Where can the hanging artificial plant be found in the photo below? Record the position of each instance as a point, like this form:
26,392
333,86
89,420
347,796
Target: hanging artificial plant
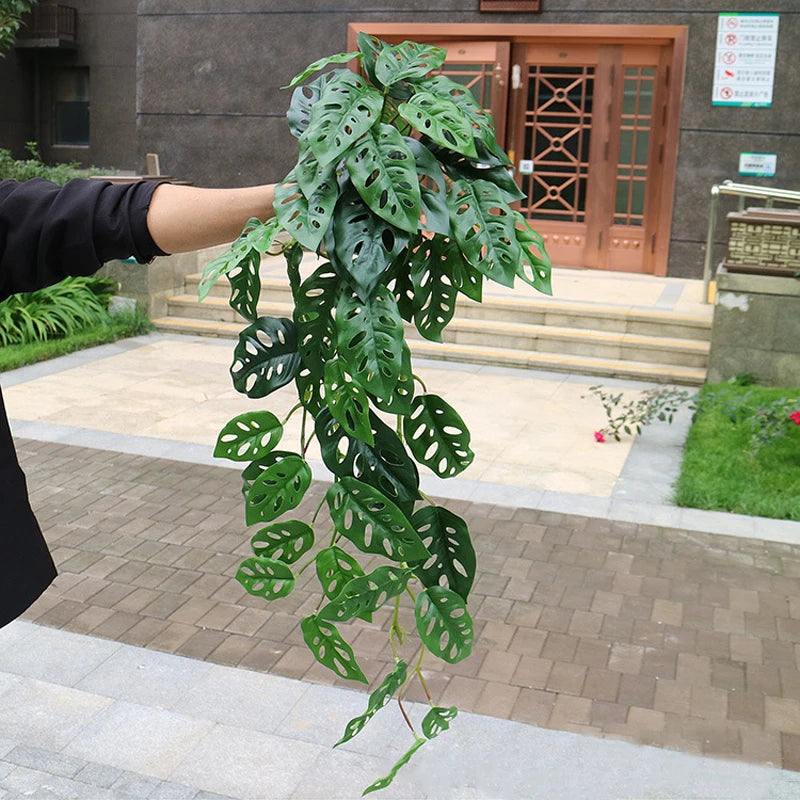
403,192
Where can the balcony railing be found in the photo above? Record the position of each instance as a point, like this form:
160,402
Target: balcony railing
49,25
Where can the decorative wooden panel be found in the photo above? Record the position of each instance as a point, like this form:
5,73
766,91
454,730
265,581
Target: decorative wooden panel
511,5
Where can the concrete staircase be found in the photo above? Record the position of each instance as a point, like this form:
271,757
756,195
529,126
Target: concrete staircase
529,332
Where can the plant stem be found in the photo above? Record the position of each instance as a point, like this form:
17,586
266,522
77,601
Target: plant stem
291,413
405,716
418,671
421,383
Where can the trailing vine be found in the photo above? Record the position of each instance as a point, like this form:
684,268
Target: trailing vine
403,192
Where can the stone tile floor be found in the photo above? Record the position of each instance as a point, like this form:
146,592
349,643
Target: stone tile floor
679,639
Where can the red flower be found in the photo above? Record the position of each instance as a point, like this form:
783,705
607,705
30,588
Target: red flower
598,435
795,417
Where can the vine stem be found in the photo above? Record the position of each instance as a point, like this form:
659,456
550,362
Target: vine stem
291,413
421,383
405,716
303,443
418,671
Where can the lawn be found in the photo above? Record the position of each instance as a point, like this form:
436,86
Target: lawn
13,356
718,472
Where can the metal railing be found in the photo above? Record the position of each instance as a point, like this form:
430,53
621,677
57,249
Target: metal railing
742,191
50,21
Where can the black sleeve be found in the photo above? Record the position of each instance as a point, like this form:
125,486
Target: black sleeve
48,232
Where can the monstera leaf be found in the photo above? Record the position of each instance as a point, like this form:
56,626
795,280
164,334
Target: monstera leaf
245,283
313,316
433,190
382,783
434,290
305,219
330,649
383,170
438,720
453,561
347,401
441,120
335,568
385,465
279,488
457,93
249,437
347,108
363,243
371,47
377,700
366,594
437,436
266,357
283,541
369,338
264,577
373,522
444,624
407,60
483,226
316,66
399,403
303,100
534,266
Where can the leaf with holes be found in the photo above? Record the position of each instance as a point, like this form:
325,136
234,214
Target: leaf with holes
265,577
253,470
384,465
347,108
468,279
461,96
266,357
407,60
383,170
316,66
283,541
335,568
444,624
534,266
370,47
433,190
246,286
377,700
369,337
330,649
438,720
366,594
400,401
464,169
437,436
441,120
313,317
277,489
303,100
310,175
305,219
372,522
360,243
347,401
452,562
249,436
382,783
483,227
434,291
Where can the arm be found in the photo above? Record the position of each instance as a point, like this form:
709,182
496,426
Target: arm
184,218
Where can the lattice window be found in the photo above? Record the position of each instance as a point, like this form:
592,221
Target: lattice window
558,123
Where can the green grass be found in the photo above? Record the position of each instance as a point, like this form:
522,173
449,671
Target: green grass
717,474
118,327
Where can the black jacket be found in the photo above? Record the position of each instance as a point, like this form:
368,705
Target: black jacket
48,232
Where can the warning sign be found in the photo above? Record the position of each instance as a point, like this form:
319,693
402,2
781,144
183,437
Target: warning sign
744,67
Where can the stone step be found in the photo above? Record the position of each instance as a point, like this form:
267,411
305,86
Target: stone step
482,354
503,335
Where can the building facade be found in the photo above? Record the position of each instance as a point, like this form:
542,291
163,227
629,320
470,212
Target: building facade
606,105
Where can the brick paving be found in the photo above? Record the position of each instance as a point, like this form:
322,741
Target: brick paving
667,637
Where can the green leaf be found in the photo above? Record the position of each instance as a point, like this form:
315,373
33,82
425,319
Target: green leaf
303,100
249,436
433,190
385,465
246,286
403,393
266,357
361,243
316,66
369,337
310,175
366,594
483,227
305,219
347,401
294,258
277,489
453,561
313,317
335,568
283,541
377,700
444,624
437,436
370,47
407,60
265,577
382,783
437,720
251,472
534,267
383,170
330,649
434,290
347,108
468,279
372,522
441,120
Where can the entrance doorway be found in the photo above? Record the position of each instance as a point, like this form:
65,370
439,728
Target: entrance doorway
589,116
